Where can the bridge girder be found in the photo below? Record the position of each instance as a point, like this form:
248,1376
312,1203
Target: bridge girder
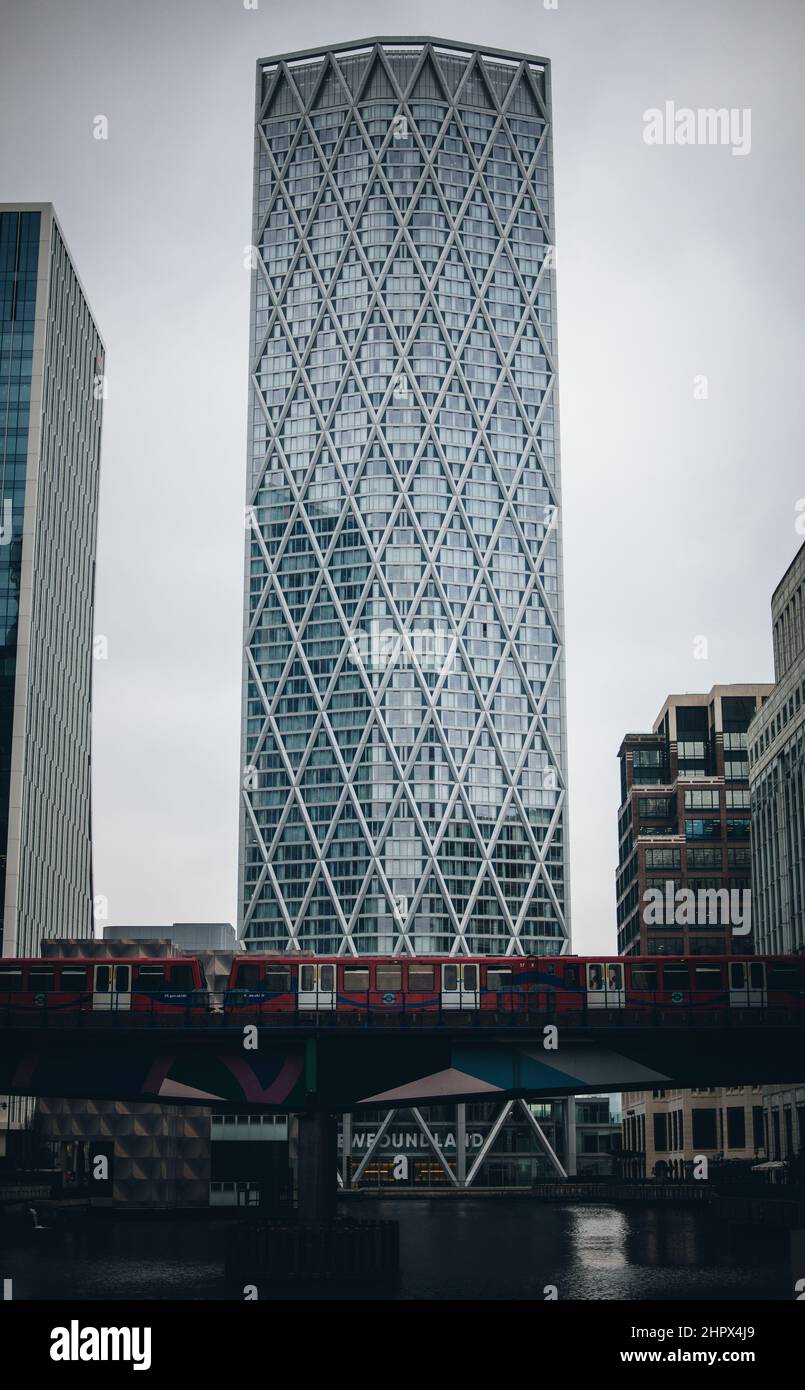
334,1070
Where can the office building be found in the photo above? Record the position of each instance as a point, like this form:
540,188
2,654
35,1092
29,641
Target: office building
475,1145
684,860
51,396
664,1132
683,888
404,761
777,779
777,787
598,1135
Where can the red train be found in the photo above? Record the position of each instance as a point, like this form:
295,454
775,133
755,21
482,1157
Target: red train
283,984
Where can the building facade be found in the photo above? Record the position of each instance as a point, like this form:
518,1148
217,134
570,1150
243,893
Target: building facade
51,395
599,1124
480,1145
665,1132
683,828
474,1145
777,786
404,782
683,852
777,778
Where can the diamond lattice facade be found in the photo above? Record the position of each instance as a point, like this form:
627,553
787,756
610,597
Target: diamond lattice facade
404,782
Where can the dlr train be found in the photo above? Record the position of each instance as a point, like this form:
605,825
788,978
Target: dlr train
280,985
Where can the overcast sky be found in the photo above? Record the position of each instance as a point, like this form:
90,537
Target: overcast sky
673,262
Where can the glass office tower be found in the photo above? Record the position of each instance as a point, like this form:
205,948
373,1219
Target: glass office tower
51,373
404,784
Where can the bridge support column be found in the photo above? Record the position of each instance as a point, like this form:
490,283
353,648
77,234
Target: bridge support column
316,1166
461,1145
570,1136
346,1150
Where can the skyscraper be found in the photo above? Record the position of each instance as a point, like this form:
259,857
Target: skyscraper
51,375
404,785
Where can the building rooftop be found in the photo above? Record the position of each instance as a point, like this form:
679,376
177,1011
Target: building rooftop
402,42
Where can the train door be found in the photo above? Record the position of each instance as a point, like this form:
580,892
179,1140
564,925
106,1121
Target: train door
459,986
111,987
605,985
748,984
316,987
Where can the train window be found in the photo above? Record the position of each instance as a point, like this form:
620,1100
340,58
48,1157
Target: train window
307,978
498,979
785,977
10,981
327,978
614,976
150,977
103,979
469,977
757,975
182,976
571,976
248,977
73,977
388,976
676,977
420,977
41,978
644,977
736,974
278,979
707,977
355,978
450,977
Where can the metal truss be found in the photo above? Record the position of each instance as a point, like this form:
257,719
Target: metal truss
464,1176
504,738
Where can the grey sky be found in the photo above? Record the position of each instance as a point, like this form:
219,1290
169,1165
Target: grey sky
672,261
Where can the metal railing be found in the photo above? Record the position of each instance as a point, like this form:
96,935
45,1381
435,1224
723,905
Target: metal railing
498,1010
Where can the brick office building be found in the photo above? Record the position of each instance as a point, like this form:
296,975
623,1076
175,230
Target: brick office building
683,822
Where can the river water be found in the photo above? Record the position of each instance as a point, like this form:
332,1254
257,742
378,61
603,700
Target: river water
464,1248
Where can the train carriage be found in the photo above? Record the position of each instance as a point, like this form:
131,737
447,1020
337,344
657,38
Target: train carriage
350,988
559,986
102,985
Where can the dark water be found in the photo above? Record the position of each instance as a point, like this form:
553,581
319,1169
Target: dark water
483,1248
